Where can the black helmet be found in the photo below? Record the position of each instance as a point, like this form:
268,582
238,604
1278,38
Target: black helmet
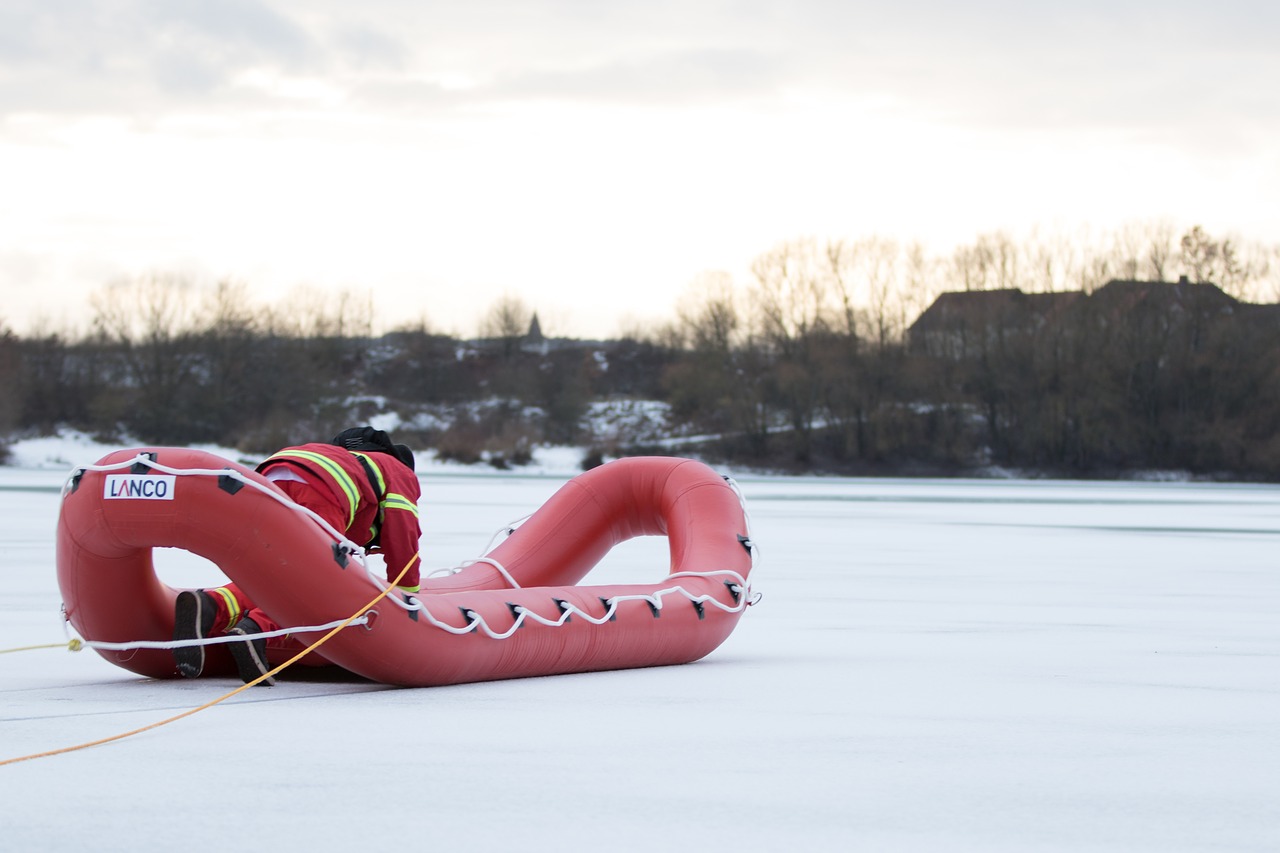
404,454
370,440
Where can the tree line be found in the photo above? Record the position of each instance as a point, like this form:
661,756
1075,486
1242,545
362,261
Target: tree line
826,360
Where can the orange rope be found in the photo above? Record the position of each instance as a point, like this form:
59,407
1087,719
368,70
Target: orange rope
239,689
72,645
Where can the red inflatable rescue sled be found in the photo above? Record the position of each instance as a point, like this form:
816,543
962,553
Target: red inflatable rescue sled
516,612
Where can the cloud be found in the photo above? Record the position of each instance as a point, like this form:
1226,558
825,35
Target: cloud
365,47
140,57
1172,73
669,77
1170,66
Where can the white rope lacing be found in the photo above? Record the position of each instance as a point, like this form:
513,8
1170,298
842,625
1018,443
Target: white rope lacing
735,583
740,589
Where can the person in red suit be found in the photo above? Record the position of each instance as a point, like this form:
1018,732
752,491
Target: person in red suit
363,485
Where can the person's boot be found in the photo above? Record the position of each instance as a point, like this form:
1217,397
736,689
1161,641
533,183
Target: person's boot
193,615
251,655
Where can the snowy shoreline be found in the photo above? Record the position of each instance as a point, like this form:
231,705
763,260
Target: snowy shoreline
70,449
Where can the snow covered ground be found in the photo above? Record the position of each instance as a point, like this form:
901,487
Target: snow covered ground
934,666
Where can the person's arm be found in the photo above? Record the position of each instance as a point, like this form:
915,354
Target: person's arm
399,539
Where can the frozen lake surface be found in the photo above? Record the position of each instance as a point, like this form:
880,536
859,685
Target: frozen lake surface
934,666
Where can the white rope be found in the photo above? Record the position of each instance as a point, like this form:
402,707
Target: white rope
505,531
210,641
476,622
467,563
752,548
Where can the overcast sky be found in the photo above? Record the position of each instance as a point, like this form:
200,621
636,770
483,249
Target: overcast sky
593,158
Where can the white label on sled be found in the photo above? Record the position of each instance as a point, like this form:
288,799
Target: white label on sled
147,487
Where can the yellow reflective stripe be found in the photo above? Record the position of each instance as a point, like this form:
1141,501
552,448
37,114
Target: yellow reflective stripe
395,501
415,588
332,468
233,606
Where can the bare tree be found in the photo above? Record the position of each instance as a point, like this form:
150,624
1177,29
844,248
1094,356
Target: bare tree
1245,269
1097,270
992,262
717,384
840,259
507,317
310,312
967,269
1005,259
803,297
879,261
150,323
1052,263
154,308
507,320
707,314
1129,247
1200,255
1269,275
792,293
1160,249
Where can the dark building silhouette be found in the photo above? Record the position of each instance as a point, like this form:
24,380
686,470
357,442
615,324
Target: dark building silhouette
964,324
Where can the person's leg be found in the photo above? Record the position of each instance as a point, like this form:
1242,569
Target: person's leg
251,655
213,612
233,606
194,613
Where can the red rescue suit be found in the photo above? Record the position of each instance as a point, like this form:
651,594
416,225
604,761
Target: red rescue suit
369,497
